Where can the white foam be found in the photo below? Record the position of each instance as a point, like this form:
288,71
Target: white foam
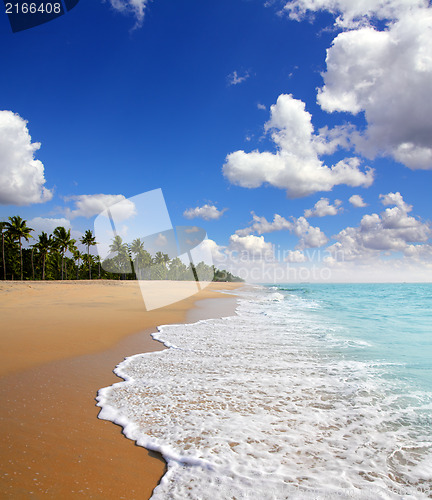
259,406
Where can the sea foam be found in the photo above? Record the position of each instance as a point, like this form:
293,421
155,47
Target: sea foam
267,404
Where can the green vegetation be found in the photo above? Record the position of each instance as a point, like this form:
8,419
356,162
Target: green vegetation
56,256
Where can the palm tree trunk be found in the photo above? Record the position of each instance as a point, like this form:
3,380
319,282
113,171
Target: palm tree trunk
62,265
43,267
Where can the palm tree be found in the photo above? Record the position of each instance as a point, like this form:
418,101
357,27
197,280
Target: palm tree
63,242
3,226
17,228
12,248
161,258
77,255
137,246
98,260
117,244
44,245
177,270
122,260
89,240
142,259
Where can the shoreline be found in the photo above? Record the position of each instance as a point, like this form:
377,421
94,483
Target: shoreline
53,444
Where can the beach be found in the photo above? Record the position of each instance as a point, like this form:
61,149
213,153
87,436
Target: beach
59,344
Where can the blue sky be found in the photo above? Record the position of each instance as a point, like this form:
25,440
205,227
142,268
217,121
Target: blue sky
242,105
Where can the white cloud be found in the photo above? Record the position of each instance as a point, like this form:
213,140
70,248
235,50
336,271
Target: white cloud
387,75
217,251
395,199
322,208
47,224
419,252
21,176
329,140
206,212
234,78
309,236
357,201
88,205
391,231
352,13
261,225
261,106
135,7
255,247
295,166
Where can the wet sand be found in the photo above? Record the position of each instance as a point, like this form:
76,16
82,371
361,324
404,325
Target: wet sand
58,345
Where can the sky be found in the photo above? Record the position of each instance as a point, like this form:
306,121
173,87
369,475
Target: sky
298,133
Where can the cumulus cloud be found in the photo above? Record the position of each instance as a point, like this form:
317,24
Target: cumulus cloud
88,205
380,66
352,13
323,207
131,7
261,225
217,251
255,247
309,236
22,177
234,78
391,231
395,199
295,166
47,224
206,212
357,201
261,106
419,252
387,75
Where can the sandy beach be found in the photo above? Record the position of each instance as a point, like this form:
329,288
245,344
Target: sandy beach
59,343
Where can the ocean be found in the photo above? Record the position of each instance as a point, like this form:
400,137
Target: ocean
310,391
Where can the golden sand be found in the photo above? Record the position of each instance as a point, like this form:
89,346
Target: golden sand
59,342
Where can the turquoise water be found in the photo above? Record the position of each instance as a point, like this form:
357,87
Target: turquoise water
308,392
393,320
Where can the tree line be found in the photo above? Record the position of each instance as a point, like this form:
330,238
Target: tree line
56,257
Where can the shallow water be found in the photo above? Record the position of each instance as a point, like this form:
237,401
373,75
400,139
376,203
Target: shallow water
311,391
